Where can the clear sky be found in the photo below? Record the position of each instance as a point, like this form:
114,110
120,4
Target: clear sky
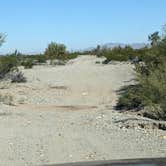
31,24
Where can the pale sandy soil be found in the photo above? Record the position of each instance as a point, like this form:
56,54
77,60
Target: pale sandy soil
65,114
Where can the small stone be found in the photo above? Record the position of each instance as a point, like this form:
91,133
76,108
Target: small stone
70,155
84,93
11,143
28,122
99,117
42,155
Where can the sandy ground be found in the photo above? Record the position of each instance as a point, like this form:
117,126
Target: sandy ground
66,114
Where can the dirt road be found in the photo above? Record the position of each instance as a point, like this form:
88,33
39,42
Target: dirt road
65,114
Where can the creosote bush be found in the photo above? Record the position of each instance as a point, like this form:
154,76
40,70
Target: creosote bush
28,64
59,52
7,64
130,98
56,51
150,90
119,53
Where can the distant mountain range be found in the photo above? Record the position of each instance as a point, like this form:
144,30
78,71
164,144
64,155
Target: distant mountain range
133,45
112,45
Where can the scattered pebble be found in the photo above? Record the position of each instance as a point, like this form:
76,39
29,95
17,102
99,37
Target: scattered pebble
84,93
70,155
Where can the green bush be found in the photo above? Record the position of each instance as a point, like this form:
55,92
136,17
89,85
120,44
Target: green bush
56,51
7,64
130,98
115,57
150,92
28,64
36,59
41,58
116,54
154,91
71,56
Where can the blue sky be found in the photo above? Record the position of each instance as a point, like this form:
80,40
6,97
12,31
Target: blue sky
30,25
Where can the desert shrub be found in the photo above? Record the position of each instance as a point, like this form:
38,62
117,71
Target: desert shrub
115,57
18,77
71,56
36,59
154,90
130,98
56,51
116,54
98,62
150,92
120,54
7,64
40,58
28,64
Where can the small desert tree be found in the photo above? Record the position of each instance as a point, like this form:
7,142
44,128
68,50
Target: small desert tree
55,51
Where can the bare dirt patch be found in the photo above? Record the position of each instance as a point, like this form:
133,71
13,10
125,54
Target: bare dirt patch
56,107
